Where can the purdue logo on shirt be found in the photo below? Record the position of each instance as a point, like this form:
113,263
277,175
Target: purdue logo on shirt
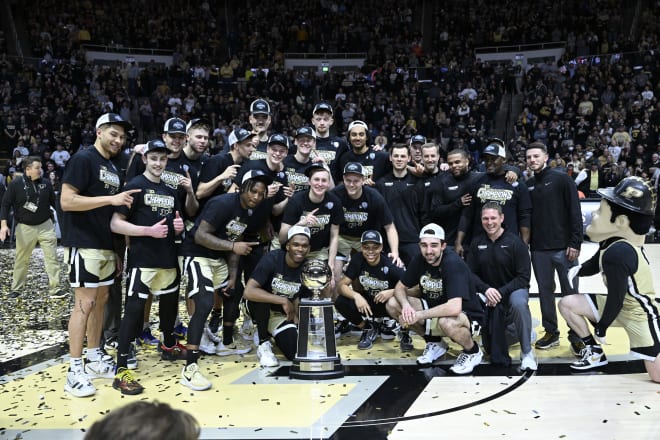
431,287
110,179
282,287
327,155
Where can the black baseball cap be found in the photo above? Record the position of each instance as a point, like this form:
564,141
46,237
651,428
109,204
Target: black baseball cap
257,175
239,134
305,131
260,106
156,145
279,139
314,167
323,107
114,119
175,125
417,139
354,167
371,236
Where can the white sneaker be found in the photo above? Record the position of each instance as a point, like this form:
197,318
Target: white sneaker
247,330
528,361
206,345
211,336
266,356
194,379
78,384
237,347
466,362
102,368
432,352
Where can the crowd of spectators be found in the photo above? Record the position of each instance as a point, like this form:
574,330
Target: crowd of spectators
49,108
597,114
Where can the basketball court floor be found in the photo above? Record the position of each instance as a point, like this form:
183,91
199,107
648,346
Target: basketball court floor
383,394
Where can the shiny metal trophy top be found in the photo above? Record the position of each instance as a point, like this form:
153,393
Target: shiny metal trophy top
316,355
316,276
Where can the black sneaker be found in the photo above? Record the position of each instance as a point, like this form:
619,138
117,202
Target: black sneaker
592,356
368,337
576,344
111,343
342,327
406,342
548,341
388,329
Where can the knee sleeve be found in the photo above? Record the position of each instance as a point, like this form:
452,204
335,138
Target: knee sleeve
348,310
203,305
260,313
287,341
131,325
168,306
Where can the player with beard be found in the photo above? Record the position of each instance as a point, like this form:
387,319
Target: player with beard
494,186
449,195
90,190
376,163
436,298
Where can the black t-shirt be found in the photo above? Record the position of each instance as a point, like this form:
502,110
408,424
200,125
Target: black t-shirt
277,176
451,279
373,279
375,163
92,175
229,218
259,153
212,168
330,149
155,202
329,213
295,173
402,198
275,276
369,211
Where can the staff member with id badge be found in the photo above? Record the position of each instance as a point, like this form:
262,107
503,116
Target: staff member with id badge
31,197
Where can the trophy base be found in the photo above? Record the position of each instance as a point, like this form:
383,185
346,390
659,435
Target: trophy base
315,369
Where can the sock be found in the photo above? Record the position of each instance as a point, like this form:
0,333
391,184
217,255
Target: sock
168,339
473,350
192,357
227,334
122,360
94,354
589,340
76,365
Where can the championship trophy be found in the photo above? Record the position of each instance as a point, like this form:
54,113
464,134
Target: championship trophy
316,357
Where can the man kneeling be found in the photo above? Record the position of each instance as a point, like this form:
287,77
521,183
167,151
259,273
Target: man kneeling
436,297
